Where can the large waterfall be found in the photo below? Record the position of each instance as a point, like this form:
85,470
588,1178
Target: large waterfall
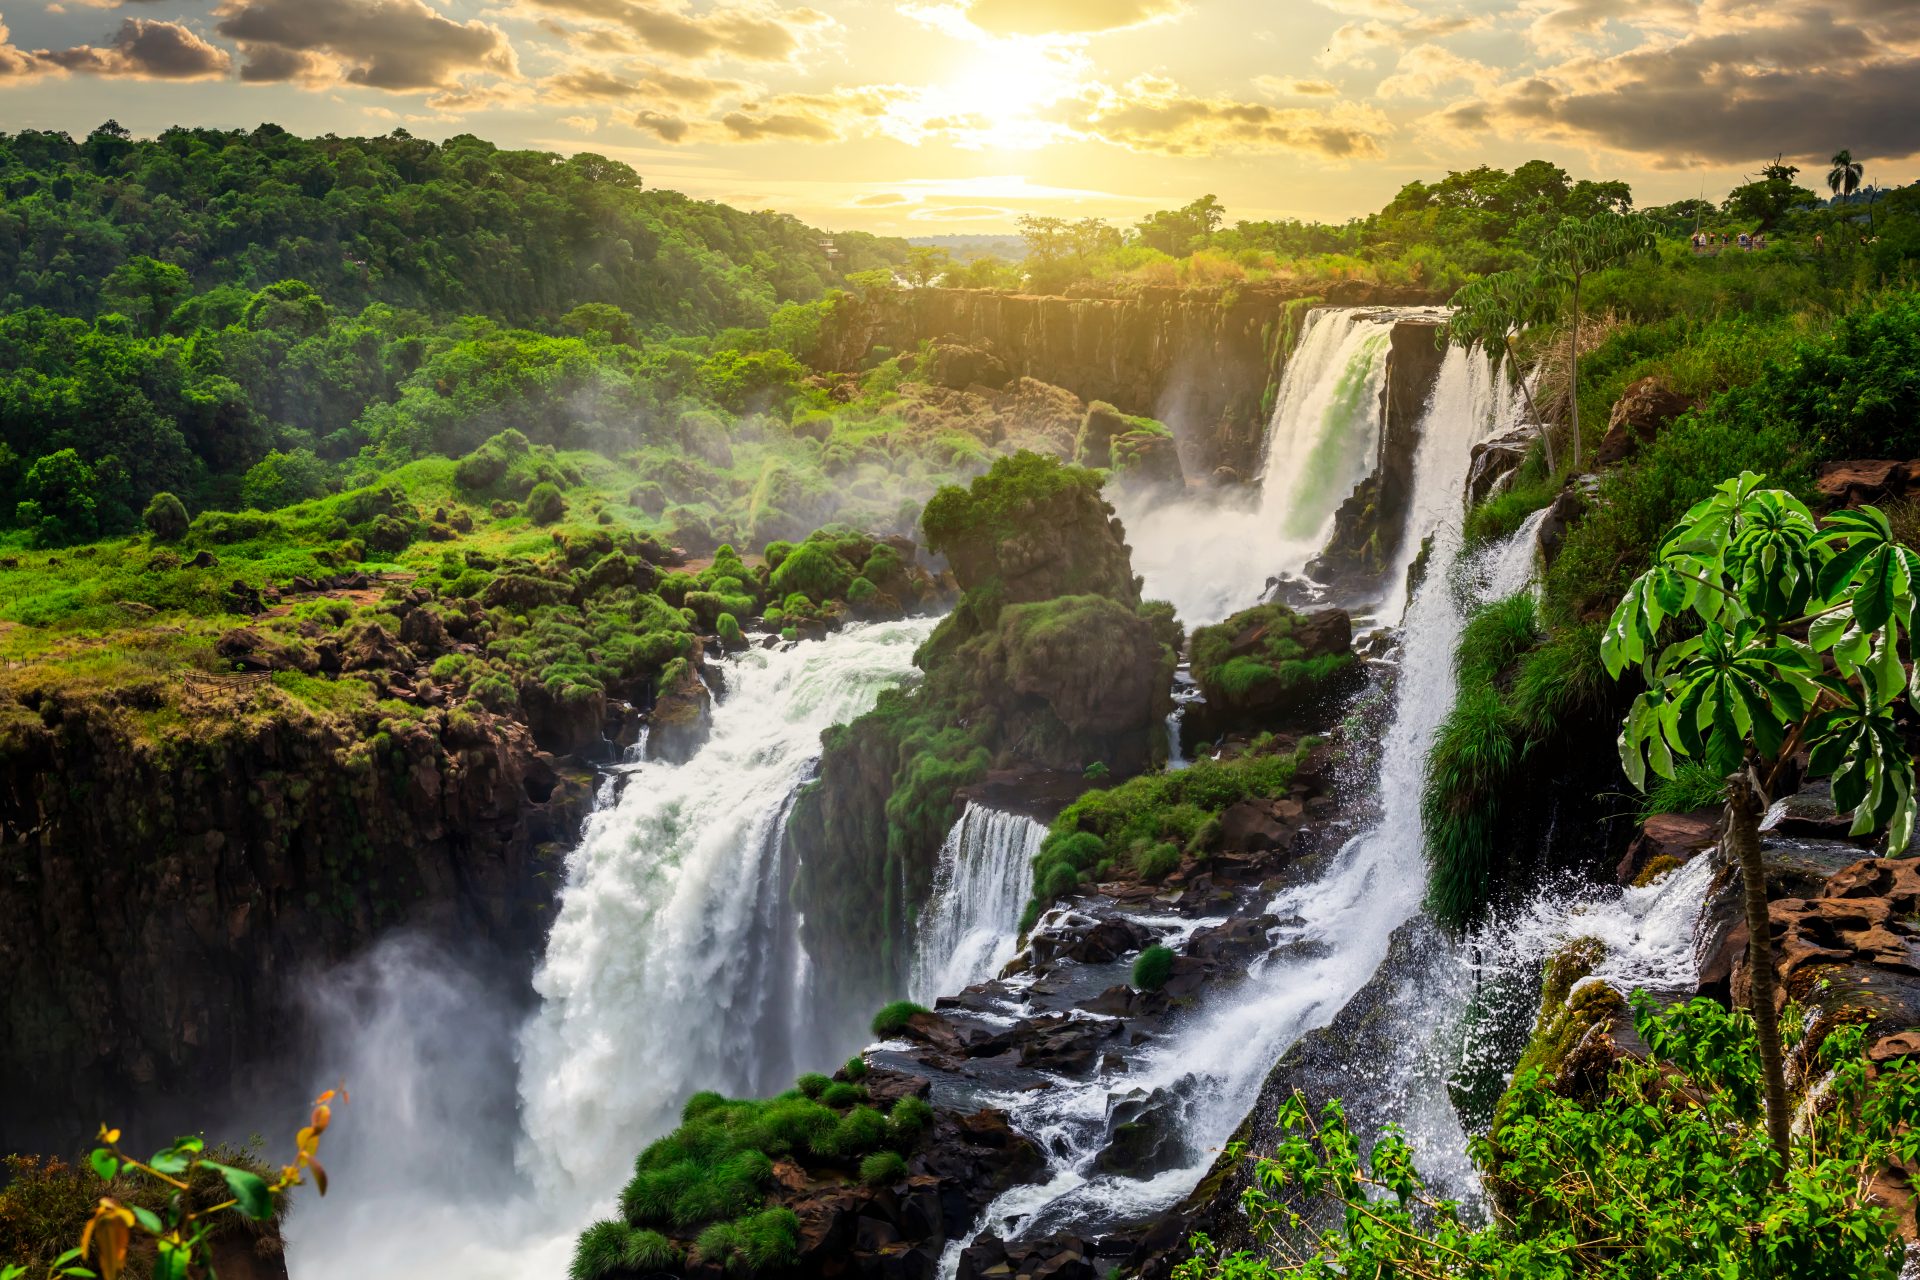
1337,929
971,925
674,965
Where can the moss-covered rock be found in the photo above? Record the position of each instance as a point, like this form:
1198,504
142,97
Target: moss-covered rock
1266,663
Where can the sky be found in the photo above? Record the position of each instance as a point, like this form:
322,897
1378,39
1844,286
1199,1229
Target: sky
941,116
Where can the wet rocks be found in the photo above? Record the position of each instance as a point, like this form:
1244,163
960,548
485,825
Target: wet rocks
1143,1134
1665,841
1061,1257
1494,461
1266,664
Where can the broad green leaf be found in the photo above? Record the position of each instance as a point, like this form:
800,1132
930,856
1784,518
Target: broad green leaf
254,1200
105,1164
1873,601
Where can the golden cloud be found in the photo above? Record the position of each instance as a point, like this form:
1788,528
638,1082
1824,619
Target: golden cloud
397,45
1067,17
1150,114
743,33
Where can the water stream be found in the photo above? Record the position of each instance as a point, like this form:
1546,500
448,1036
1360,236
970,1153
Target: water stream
971,925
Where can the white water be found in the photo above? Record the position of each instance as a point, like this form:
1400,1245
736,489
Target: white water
971,925
1219,1059
673,964
1210,555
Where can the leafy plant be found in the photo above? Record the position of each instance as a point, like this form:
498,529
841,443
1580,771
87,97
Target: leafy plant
179,1230
1750,567
892,1019
1667,1175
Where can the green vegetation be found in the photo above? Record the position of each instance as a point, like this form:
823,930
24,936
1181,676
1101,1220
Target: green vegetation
1666,1172
892,1019
1255,661
702,1190
1152,967
1738,692
1147,822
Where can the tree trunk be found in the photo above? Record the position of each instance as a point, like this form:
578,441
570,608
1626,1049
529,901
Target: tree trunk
1743,842
1546,428
1573,374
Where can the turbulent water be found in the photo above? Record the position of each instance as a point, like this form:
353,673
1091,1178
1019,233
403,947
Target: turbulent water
1211,555
1218,1059
971,925
674,965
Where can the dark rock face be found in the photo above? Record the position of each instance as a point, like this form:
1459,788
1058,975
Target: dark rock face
1495,460
1848,484
1143,1134
1202,363
1668,839
1369,525
162,903
1642,412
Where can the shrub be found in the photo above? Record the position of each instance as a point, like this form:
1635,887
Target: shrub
843,1095
1692,786
1156,861
883,1169
1152,968
651,1251
601,1251
813,570
813,1084
892,1019
908,1119
856,1068
729,631
859,591
166,517
545,504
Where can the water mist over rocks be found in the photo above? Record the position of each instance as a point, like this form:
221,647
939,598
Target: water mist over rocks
971,925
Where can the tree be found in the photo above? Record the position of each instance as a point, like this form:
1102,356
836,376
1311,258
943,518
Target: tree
603,319
1574,250
1046,237
1843,179
926,263
60,506
146,290
166,517
1486,313
1751,568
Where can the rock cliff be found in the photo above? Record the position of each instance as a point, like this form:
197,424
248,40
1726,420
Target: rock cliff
1205,362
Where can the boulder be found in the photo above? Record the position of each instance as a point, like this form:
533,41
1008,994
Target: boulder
1674,837
679,723
1266,663
1642,412
1567,508
1493,461
958,366
1852,482
519,592
1256,826
1143,1134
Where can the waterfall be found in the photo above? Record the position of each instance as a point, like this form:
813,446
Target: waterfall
674,962
1218,1059
971,925
1212,556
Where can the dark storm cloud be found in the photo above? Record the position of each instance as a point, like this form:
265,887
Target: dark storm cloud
398,45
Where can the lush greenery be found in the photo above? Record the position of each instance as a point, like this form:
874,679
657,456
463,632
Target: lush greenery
1145,826
57,1220
1255,660
701,1192
1152,967
1668,1173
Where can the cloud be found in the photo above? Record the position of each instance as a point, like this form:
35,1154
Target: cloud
667,128
1067,17
580,124
1563,27
748,34
1153,115
397,45
1424,69
1801,77
145,50
14,62
814,117
1294,87
959,213
1355,43
637,81
881,199
1395,9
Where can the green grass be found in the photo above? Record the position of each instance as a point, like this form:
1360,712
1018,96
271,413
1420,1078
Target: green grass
892,1019
883,1169
1692,786
1152,968
1141,815
1276,670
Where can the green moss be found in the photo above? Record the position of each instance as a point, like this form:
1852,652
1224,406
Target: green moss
892,1019
883,1169
1255,660
1152,968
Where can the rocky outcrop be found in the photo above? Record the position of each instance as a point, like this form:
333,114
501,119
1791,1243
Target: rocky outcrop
165,894
1050,664
1493,462
1642,412
1205,362
1266,666
1857,481
1369,525
1667,840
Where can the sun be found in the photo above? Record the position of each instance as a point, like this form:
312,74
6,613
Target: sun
998,97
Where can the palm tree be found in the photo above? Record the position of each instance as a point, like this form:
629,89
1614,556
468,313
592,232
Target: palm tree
1844,179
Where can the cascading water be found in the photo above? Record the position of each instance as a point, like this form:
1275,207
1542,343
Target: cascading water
672,965
1209,559
971,925
1217,1060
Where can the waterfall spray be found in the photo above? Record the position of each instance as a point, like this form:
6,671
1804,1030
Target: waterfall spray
971,926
